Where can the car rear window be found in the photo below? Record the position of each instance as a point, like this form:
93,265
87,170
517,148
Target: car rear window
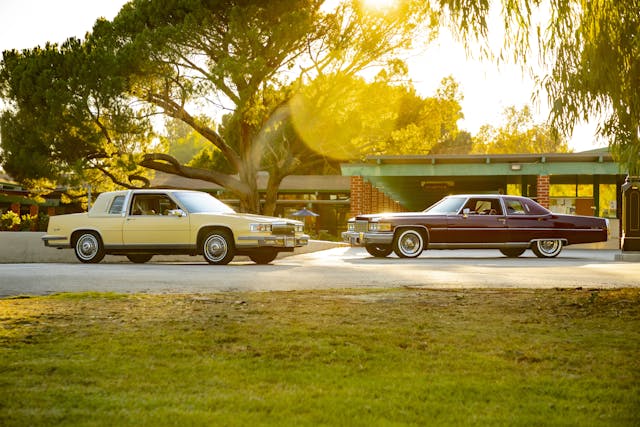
116,205
524,207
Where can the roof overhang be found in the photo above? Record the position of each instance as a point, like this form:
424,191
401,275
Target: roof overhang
485,165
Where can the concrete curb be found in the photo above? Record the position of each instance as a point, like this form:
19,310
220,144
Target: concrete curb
27,247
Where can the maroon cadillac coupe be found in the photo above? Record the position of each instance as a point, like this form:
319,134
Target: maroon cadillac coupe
509,223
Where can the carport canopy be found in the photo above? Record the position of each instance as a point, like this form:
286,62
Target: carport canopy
416,181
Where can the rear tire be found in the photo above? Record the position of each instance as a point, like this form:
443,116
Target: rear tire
139,258
379,251
408,243
547,248
218,247
88,247
512,252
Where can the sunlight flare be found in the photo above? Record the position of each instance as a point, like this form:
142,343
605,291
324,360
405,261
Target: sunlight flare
379,4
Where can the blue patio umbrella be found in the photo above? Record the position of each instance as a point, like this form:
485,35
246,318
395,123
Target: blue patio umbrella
304,212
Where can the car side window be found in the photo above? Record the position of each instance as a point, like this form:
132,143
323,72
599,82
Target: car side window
514,207
152,204
116,205
483,207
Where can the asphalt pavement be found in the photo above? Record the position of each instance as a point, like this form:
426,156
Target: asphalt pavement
342,267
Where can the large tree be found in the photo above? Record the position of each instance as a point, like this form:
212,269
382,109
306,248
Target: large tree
178,58
253,59
65,124
519,134
590,55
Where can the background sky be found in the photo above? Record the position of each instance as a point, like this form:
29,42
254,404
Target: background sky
487,88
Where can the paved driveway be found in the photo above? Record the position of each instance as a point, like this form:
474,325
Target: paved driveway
335,268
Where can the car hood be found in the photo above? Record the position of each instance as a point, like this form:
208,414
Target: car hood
389,215
251,217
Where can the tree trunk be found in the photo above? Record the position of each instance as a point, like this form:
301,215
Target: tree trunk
271,195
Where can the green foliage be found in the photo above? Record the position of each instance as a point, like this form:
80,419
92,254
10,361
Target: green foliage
519,134
592,54
182,55
9,221
172,57
596,72
67,116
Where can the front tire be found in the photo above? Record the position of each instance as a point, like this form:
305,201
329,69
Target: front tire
379,251
218,247
263,256
409,243
139,258
546,248
89,248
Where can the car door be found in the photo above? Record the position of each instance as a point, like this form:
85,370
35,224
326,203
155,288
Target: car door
480,221
525,222
152,222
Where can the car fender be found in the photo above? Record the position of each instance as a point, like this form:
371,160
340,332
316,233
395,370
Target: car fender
424,229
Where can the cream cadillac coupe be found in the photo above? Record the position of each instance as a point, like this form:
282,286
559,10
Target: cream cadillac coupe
143,223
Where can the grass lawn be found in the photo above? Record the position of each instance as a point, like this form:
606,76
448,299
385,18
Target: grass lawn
347,357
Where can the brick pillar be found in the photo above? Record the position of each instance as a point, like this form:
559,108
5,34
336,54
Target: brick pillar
375,200
357,184
367,189
543,183
15,207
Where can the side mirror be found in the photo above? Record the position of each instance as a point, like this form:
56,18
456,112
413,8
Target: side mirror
177,212
466,212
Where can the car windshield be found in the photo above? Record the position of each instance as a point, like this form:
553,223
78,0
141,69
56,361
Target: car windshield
196,202
448,205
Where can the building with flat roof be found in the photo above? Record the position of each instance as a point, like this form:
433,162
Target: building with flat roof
585,183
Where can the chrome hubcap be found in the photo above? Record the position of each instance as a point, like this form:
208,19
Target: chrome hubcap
87,246
549,246
215,248
410,243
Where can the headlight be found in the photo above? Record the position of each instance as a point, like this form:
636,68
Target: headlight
260,228
351,226
379,226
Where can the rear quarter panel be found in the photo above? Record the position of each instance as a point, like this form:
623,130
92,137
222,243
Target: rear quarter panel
109,227
574,229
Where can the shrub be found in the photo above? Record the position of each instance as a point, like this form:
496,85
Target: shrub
9,221
43,221
28,222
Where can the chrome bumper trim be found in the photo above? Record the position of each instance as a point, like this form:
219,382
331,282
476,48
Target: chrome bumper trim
279,241
362,239
56,241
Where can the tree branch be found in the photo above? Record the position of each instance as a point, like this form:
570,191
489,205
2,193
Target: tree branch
168,164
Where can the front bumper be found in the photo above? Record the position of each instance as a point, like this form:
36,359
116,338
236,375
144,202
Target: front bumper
355,238
274,241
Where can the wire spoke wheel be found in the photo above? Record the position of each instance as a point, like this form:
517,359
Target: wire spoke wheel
547,248
408,244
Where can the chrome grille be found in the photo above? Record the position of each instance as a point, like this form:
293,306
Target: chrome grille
283,229
361,226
